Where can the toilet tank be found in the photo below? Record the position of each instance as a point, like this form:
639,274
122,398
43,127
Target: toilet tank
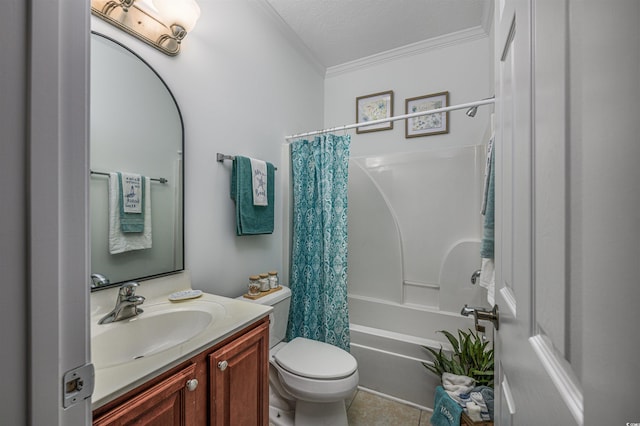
280,301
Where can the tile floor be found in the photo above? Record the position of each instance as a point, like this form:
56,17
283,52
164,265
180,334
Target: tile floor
369,409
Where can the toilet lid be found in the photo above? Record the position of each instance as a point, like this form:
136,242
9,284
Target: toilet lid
315,360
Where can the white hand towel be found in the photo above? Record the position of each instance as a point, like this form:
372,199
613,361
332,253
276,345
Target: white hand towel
488,279
120,242
259,182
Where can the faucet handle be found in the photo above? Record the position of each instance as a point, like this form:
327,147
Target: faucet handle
128,289
98,280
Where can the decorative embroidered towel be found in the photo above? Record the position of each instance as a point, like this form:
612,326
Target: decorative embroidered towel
251,219
259,182
132,194
446,412
120,242
131,186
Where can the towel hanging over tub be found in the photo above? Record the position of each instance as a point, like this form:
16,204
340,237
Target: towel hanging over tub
487,270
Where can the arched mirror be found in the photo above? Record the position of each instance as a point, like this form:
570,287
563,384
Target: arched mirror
136,127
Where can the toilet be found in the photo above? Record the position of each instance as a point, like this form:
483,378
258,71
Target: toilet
308,380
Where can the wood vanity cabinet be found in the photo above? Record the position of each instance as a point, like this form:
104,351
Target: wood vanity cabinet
238,398
232,388
168,402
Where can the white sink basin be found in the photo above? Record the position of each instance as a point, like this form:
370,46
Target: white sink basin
160,327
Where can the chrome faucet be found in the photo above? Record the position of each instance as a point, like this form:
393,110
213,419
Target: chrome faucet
482,314
126,304
98,280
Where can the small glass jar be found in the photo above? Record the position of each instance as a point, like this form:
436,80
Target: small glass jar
254,285
274,282
264,282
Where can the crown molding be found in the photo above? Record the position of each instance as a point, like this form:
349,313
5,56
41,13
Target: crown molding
463,36
291,36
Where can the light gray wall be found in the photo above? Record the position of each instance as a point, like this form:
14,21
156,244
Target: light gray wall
462,68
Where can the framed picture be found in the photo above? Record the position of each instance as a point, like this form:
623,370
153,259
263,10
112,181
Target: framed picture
374,107
427,125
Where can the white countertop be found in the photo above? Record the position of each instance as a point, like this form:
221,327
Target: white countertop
233,316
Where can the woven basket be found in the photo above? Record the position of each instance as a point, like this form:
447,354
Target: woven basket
466,421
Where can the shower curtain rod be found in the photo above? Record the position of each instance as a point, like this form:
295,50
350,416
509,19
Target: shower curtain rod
397,117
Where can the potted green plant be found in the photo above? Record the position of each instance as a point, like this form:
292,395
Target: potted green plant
472,356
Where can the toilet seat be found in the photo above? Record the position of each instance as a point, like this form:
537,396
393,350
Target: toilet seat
315,360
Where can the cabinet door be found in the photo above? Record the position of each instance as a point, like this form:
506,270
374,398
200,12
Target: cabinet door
168,403
239,381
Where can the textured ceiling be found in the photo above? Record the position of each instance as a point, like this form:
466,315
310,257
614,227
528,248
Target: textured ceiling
340,31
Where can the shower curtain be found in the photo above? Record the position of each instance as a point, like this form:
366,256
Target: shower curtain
318,278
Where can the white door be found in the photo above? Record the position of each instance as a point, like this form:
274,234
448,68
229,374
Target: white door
59,378
535,381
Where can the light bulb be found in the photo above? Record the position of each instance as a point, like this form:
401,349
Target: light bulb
184,13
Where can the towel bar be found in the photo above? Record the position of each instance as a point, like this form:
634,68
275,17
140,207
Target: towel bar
161,180
221,157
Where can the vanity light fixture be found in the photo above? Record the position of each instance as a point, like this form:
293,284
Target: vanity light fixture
163,24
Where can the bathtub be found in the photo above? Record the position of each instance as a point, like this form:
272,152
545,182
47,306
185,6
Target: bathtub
387,339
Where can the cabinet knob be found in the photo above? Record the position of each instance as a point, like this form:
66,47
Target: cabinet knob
222,365
192,384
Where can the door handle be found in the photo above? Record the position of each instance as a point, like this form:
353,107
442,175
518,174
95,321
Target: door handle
482,314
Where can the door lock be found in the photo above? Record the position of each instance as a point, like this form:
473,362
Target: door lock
77,385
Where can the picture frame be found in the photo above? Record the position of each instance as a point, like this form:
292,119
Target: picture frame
428,125
372,107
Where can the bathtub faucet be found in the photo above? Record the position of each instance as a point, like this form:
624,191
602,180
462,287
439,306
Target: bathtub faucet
482,314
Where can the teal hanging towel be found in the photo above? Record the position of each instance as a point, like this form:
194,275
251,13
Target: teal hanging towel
318,278
251,219
487,247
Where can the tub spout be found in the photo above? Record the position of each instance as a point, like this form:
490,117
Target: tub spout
482,314
466,311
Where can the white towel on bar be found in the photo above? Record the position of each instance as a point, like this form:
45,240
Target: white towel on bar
259,182
120,242
488,279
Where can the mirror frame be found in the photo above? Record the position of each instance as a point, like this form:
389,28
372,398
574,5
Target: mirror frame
182,185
